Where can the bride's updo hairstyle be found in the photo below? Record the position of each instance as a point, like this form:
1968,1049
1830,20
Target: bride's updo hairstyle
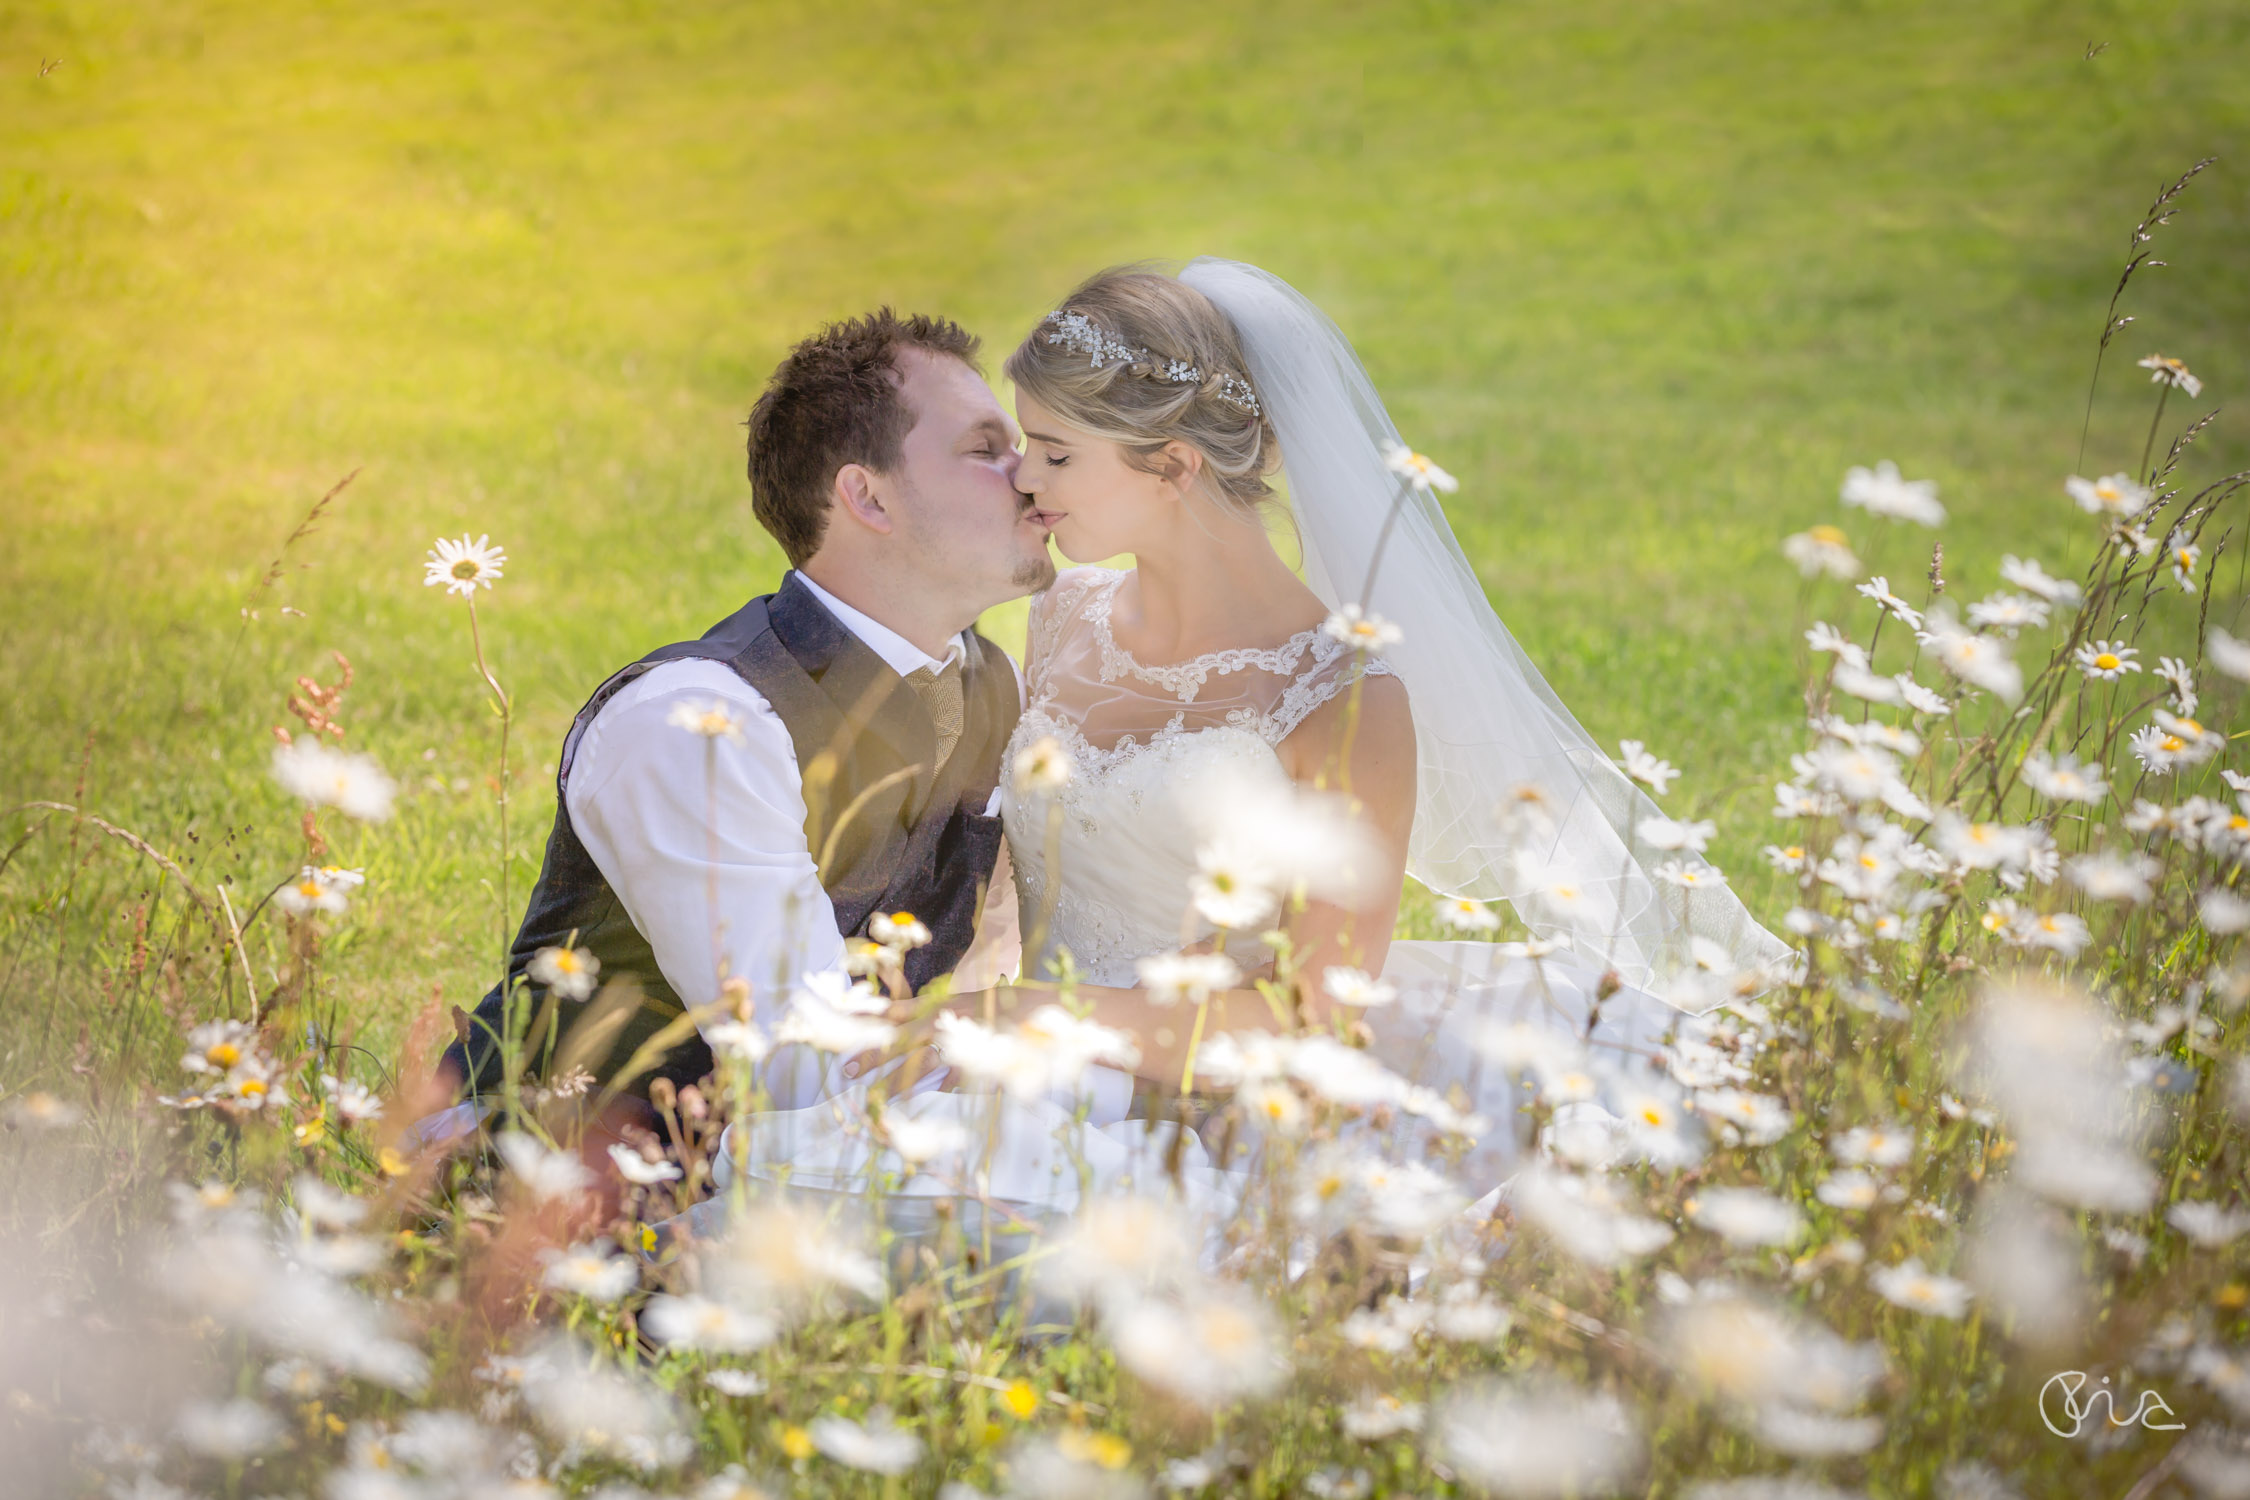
1141,359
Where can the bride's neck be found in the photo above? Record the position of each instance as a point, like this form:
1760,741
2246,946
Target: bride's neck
1215,583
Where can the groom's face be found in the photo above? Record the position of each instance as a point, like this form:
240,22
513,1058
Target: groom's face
958,510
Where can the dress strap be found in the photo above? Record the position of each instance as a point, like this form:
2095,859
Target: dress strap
1333,671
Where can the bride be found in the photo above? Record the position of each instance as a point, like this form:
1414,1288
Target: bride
1225,770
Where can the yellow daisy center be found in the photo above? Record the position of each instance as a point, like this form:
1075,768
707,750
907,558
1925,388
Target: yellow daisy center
253,1087
1829,536
2108,662
225,1054
465,568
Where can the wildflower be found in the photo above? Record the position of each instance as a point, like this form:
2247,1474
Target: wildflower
464,566
1213,1346
2114,877
1655,774
1981,846
1802,802
814,1024
2064,779
1375,1417
1791,857
2174,741
2183,557
1361,631
738,1040
1919,698
918,1141
1170,978
1464,915
1587,1217
898,929
352,784
1748,1351
1657,1123
1118,1246
1824,637
2106,661
230,1430
711,721
1669,834
2229,655
1356,988
40,1110
1041,766
1879,590
2224,912
1909,1286
2026,574
1849,1190
1539,1440
708,1324
544,1173
1883,493
1978,660
1689,877
639,1170
2056,931
1746,1216
216,1046
2112,495
740,1384
2167,371
1050,1048
1232,889
1757,1119
569,972
1875,1145
2208,1224
839,992
1416,468
2008,612
1822,549
1464,1316
1866,685
2181,679
591,1271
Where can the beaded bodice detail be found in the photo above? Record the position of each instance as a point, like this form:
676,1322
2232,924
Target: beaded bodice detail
1103,862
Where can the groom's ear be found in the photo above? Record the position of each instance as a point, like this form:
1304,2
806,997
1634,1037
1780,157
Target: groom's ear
857,498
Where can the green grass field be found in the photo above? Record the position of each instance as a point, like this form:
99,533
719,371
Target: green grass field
1648,277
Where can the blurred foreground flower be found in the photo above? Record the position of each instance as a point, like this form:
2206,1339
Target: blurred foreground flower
1881,492
353,784
1539,1439
2165,370
1822,549
1417,469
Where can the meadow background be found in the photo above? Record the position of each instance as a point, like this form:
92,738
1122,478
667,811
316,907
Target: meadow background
1647,277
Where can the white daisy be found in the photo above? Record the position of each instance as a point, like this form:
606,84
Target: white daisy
2183,556
2063,779
352,784
1356,988
2113,495
591,1271
1464,915
1170,978
1881,492
2114,877
1417,469
569,972
2229,655
1917,1290
323,890
2026,574
2106,661
2181,678
1041,766
2056,931
1657,775
639,1170
1362,631
1822,549
464,566
1979,660
1827,638
2165,370
2009,612
1671,834
711,720
1878,589
1232,888
1746,1216
1874,1145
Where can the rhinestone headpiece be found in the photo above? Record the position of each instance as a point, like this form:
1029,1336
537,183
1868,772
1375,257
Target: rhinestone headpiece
1082,335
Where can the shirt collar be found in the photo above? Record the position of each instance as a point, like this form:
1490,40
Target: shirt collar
898,653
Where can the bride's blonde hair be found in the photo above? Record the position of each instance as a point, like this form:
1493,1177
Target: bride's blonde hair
1141,359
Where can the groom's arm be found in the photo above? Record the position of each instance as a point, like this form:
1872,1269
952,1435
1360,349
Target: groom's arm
703,840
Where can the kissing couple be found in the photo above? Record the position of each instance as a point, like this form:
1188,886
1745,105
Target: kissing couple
1158,865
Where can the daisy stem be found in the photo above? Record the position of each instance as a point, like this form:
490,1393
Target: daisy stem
506,710
2163,392
1382,540
1195,1040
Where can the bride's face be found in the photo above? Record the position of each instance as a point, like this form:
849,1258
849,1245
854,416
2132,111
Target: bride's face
1096,500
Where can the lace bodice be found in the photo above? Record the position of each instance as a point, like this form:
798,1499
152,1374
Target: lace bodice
1114,848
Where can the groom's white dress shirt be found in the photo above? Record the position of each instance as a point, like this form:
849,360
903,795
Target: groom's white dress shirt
703,840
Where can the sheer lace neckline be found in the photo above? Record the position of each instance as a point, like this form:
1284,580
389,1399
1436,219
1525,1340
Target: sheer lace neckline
1185,679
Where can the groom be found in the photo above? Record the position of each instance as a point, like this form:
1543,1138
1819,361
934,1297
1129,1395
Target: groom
741,804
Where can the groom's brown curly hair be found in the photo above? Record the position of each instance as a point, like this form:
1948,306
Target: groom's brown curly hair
835,401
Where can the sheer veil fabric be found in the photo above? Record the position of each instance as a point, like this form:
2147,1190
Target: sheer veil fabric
1486,723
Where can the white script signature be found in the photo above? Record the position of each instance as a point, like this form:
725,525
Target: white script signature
2067,1391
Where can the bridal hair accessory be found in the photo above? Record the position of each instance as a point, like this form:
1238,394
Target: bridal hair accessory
1082,335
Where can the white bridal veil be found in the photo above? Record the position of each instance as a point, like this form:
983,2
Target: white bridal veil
1485,721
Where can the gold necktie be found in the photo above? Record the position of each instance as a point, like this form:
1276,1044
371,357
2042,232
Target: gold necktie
941,694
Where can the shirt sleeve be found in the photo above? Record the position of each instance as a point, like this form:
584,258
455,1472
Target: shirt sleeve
703,839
